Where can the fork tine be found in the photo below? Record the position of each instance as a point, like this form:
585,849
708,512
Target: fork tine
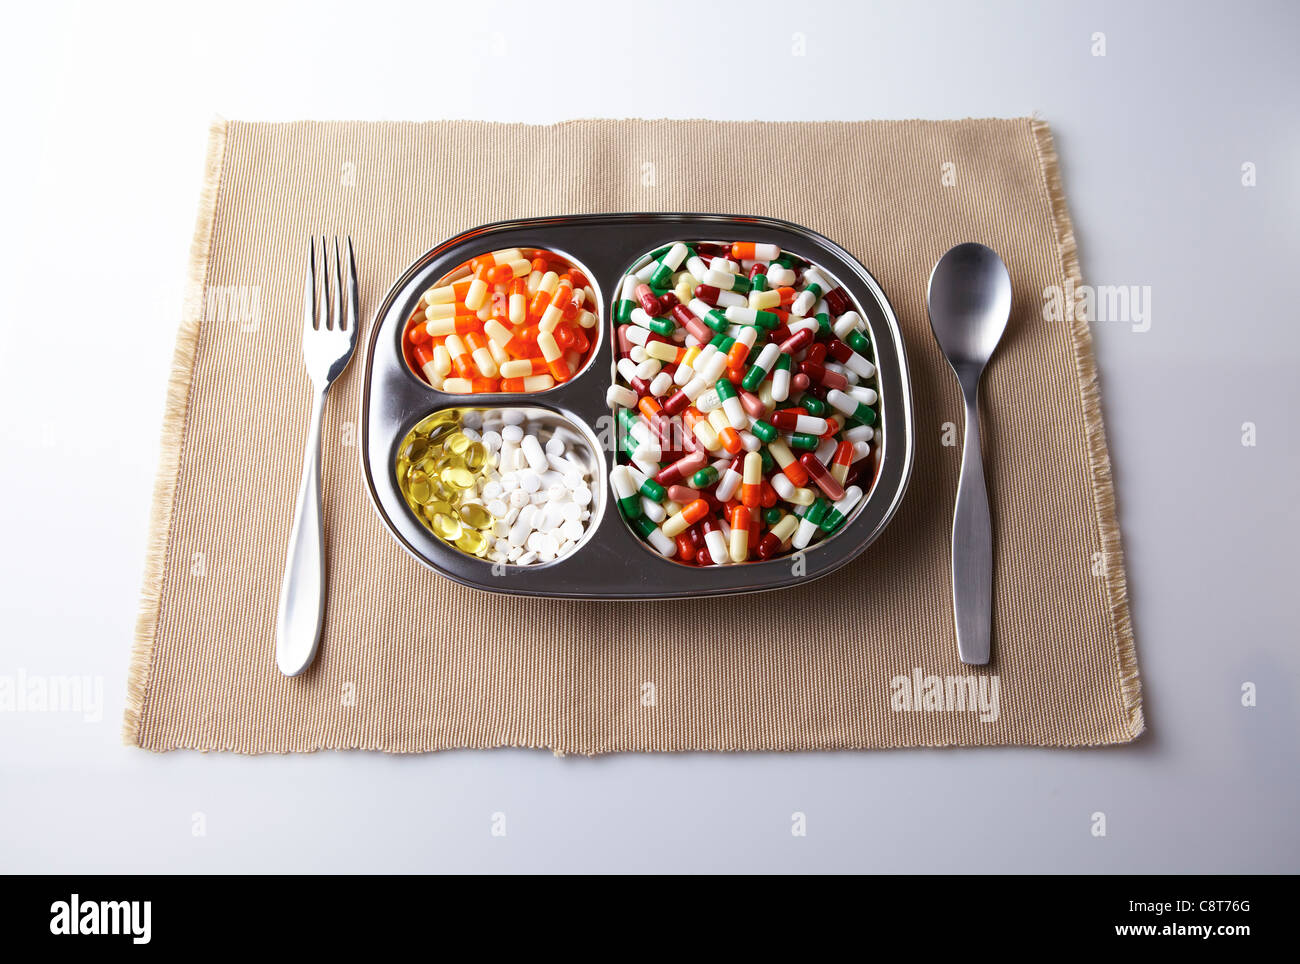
324,311
336,306
309,301
352,290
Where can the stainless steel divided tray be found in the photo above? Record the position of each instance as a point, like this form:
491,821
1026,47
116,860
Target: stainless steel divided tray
612,563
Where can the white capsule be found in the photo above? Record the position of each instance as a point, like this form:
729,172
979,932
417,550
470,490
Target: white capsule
779,276
716,543
780,384
648,369
621,481
860,433
867,396
804,534
620,396
717,278
662,544
661,384
728,484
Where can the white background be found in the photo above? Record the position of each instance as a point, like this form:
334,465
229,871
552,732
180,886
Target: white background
104,137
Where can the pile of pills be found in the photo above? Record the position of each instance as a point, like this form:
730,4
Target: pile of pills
744,402
515,320
486,483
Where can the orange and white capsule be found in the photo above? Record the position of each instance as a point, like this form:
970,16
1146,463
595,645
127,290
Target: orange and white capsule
477,295
533,383
751,487
518,304
749,251
524,367
739,545
553,356
460,358
483,359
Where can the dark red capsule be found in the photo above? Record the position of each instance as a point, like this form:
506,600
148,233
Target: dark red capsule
839,351
647,300
837,300
712,250
668,301
797,342
707,294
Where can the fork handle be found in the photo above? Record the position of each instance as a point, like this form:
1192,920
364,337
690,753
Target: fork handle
972,539
302,593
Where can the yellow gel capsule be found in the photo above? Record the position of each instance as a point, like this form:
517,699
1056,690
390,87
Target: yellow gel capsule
445,492
472,542
456,444
459,477
438,508
447,527
421,489
415,452
476,455
476,515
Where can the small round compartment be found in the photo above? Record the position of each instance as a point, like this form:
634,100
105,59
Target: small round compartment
468,481
535,326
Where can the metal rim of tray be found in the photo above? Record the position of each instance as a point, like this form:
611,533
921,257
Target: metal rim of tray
612,562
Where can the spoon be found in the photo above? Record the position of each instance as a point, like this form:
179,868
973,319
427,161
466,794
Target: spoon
969,299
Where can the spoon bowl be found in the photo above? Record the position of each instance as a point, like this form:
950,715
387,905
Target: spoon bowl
969,298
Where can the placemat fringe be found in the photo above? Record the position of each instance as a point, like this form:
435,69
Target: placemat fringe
173,431
1103,488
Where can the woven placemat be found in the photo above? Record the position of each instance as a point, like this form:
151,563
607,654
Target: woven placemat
411,662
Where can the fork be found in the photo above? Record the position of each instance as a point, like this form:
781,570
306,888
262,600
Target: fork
328,340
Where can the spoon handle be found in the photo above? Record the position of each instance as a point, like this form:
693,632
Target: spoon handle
972,539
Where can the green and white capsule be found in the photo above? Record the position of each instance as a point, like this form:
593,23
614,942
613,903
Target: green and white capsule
731,405
761,368
847,322
652,534
670,262
726,281
712,317
815,285
647,486
851,407
626,300
660,326
781,377
859,342
625,493
697,268
752,317
841,509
